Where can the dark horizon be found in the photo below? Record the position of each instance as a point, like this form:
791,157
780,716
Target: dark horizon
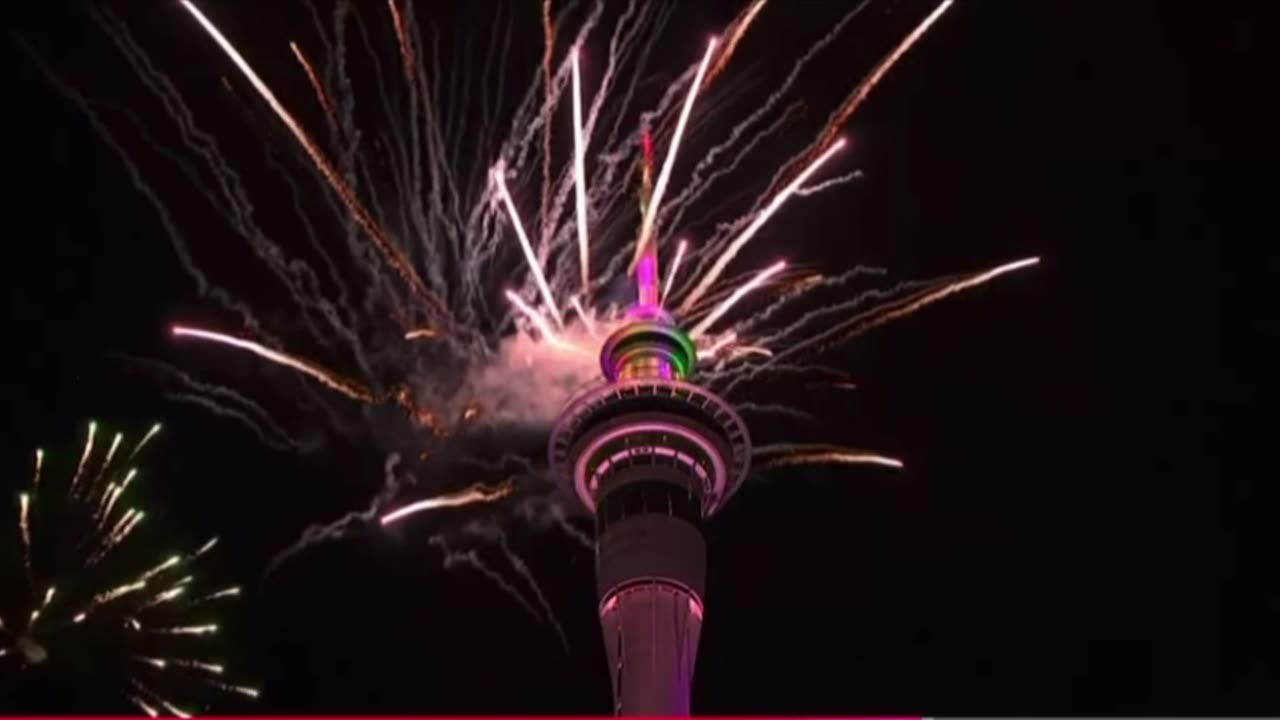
1074,531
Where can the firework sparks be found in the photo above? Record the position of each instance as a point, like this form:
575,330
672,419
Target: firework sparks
864,88
24,529
549,334
675,265
725,258
76,582
580,174
437,222
155,429
84,456
774,456
534,266
187,630
878,316
583,315
321,95
475,494
406,52
736,31
761,278
229,592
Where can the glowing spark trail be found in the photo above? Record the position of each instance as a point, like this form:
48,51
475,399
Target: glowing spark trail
420,334
721,343
724,307
655,200
35,479
727,256
84,457
24,527
878,316
174,560
229,592
475,494
205,548
583,314
548,75
106,463
675,264
946,291
534,266
240,689
548,333
580,174
188,630
864,88
35,614
328,379
798,455
145,439
740,27
316,85
406,52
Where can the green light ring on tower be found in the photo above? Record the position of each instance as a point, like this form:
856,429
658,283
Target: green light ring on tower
648,340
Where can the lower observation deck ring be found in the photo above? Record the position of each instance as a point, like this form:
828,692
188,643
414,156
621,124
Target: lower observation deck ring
711,423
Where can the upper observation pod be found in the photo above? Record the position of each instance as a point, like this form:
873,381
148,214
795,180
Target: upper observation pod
651,346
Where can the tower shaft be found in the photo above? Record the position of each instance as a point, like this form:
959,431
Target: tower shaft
650,573
651,455
651,636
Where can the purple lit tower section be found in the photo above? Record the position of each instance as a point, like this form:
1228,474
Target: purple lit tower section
652,455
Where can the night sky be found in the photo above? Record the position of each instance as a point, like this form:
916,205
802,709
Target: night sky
1074,532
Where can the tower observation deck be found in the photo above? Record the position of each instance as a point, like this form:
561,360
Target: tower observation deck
652,455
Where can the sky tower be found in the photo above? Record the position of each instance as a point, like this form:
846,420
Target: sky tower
652,455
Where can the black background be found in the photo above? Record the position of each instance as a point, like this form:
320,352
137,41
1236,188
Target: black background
1077,530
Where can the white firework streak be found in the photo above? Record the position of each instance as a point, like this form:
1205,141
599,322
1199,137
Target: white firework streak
422,304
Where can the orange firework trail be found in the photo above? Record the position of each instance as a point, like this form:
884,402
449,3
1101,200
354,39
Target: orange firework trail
477,493
823,457
420,334
321,95
393,256
864,88
406,52
328,379
548,73
736,30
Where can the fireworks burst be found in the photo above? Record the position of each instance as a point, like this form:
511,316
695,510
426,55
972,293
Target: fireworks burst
88,603
475,291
